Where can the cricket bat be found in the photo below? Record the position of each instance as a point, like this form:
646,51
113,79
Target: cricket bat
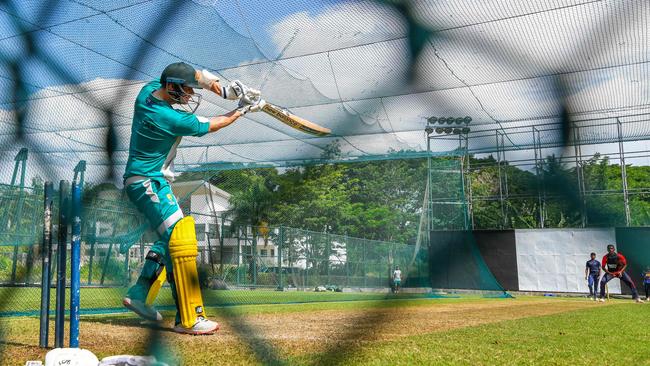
291,120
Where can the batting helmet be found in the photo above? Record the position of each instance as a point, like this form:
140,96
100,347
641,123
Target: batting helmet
180,73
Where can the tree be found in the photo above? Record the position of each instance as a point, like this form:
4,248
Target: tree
250,207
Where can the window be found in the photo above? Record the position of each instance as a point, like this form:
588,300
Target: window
263,252
200,231
227,233
214,231
272,252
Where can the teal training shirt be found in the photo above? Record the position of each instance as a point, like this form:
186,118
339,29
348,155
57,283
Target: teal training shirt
156,131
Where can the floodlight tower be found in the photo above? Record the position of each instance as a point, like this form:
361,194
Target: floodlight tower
454,129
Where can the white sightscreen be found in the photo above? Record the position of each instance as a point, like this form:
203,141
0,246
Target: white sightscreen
554,259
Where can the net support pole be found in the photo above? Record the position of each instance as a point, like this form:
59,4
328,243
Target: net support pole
579,175
539,160
61,251
45,266
21,164
328,252
92,253
254,250
206,235
280,242
500,157
221,242
75,264
621,154
467,182
239,256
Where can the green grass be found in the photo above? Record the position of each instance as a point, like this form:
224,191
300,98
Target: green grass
578,333
26,301
615,334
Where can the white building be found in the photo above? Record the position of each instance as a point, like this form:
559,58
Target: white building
208,205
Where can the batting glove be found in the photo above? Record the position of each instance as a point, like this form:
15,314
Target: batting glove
248,93
233,91
246,105
257,105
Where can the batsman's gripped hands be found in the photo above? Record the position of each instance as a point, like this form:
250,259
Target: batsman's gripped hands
237,90
247,104
250,94
233,91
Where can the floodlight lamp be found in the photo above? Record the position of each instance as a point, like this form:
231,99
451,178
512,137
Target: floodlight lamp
440,130
432,120
448,130
428,130
467,120
459,120
450,120
457,131
465,130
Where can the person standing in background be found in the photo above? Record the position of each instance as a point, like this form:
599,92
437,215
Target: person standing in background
397,279
646,282
614,265
592,273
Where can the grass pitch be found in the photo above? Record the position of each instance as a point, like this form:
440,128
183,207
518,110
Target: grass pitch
527,330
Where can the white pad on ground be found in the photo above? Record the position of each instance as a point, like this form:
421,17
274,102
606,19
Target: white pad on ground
70,357
128,360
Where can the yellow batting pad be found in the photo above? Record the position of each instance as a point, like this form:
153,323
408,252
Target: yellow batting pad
183,249
155,287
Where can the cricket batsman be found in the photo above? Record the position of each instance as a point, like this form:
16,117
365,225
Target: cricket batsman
156,132
614,265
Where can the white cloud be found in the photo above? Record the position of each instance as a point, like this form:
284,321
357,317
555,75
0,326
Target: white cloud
344,25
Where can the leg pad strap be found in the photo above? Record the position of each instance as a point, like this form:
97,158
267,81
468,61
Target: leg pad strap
158,278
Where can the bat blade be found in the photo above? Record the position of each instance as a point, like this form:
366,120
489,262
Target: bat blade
291,120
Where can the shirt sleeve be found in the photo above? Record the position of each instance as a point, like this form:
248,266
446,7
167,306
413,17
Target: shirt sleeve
187,124
622,260
602,265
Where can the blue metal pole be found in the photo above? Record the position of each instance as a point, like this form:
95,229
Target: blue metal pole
75,279
46,253
61,251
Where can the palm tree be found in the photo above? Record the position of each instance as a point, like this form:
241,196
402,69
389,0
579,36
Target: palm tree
251,207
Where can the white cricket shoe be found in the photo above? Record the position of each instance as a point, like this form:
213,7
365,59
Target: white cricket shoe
601,299
638,300
202,326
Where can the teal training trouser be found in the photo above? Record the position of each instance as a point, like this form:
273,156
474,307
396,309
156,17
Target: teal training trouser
155,199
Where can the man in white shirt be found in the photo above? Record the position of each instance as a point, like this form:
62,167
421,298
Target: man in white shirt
397,279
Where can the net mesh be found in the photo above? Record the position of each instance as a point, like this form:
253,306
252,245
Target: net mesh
554,91
331,62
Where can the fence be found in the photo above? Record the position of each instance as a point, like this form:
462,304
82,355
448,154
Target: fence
115,239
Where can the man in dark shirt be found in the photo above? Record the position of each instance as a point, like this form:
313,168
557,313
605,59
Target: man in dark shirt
592,273
646,283
614,265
